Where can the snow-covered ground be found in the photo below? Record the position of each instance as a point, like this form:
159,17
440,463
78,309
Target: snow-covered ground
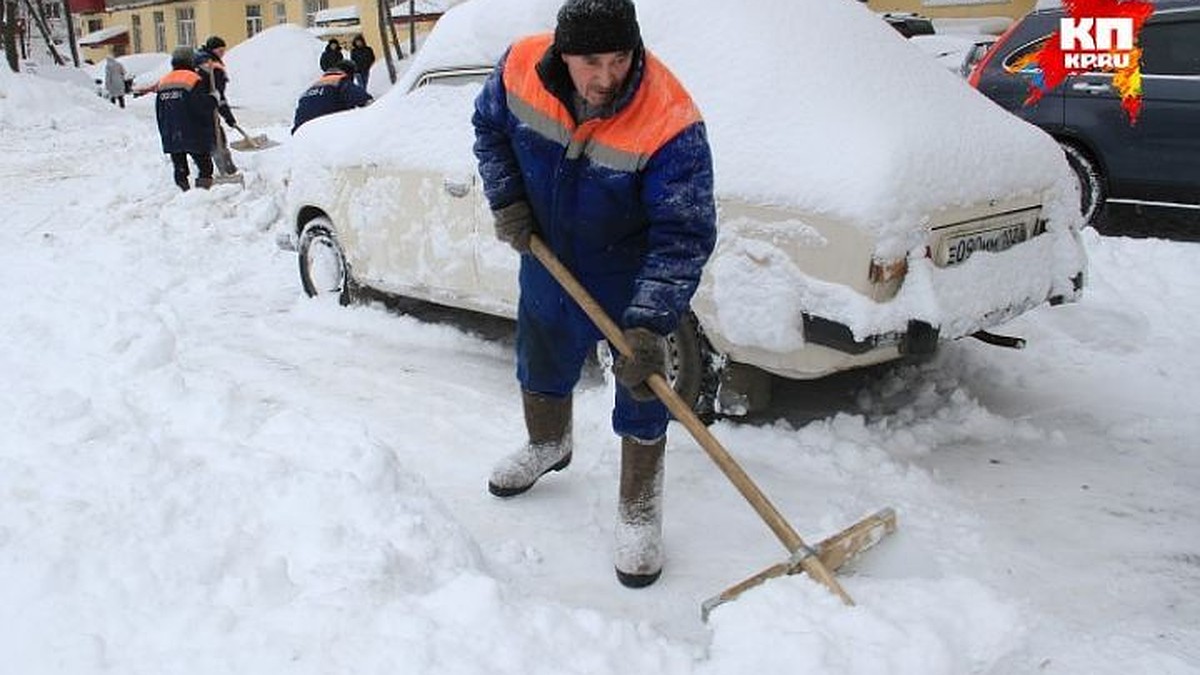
202,471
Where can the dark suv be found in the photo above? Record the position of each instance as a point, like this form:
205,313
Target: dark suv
1155,161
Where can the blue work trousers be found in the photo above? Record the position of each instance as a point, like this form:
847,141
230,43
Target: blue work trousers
554,337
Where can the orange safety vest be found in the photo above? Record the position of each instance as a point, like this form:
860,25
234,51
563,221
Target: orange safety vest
657,112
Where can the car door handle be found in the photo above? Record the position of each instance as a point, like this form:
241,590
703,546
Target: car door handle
456,188
1091,88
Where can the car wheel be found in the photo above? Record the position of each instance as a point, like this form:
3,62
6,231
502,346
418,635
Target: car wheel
688,356
323,270
1091,181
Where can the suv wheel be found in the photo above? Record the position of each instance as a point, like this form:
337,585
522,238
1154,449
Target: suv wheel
1091,181
687,365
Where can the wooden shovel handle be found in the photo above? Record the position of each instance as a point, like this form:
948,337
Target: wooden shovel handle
658,384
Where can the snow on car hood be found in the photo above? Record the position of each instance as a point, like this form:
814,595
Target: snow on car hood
821,107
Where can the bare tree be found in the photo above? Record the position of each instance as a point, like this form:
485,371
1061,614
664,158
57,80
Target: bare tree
69,19
395,38
9,15
385,17
39,18
412,26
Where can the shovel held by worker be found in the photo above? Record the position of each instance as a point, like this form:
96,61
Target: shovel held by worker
248,143
802,557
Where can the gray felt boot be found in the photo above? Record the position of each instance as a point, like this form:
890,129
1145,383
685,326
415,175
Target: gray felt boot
639,548
548,421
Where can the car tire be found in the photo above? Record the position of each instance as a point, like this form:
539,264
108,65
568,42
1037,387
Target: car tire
323,268
688,371
1092,192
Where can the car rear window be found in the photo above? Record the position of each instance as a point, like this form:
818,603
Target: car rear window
1171,48
1023,59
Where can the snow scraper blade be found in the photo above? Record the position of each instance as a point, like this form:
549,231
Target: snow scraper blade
834,552
801,555
230,179
249,143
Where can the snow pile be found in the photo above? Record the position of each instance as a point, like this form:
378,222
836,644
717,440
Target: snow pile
83,77
30,102
268,72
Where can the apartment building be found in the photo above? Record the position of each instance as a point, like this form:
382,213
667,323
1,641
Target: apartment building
120,27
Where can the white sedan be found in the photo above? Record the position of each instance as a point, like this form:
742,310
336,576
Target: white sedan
869,207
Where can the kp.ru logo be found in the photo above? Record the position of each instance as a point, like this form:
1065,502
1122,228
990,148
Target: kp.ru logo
1096,44
1097,36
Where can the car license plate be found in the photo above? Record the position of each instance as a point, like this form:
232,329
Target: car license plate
994,235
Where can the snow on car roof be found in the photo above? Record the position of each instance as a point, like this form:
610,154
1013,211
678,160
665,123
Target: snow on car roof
821,107
258,81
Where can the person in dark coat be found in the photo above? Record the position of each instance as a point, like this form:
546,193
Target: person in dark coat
184,107
211,65
363,57
332,56
586,138
333,92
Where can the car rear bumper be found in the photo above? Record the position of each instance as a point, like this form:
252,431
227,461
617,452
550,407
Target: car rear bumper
919,337
831,346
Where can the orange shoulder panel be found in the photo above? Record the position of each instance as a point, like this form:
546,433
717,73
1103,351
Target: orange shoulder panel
521,78
660,109
184,78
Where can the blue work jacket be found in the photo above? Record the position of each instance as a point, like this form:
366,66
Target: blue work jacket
625,200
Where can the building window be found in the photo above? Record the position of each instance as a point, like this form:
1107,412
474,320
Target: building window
94,25
185,26
280,13
254,24
311,7
135,21
160,32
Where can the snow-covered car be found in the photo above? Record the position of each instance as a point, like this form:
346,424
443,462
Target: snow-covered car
909,24
957,52
851,231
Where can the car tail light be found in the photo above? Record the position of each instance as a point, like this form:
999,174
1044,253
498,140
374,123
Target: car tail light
997,46
886,275
883,271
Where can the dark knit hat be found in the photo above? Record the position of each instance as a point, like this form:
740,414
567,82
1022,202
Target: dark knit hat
597,27
183,57
214,42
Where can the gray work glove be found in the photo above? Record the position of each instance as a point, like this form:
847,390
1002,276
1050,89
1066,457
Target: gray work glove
649,357
514,225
